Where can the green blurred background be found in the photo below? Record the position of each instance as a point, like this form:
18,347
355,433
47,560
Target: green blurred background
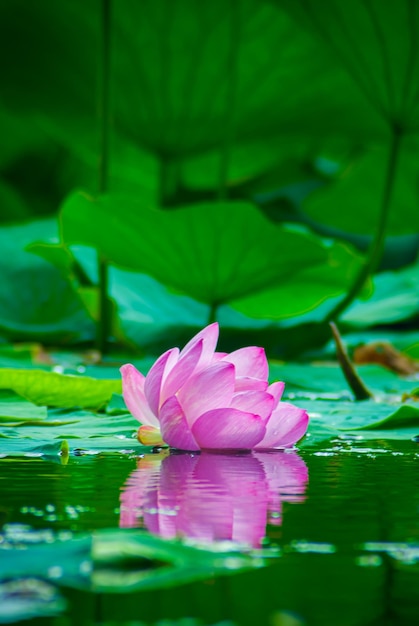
165,163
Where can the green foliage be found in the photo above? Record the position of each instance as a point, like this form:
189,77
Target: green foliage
14,409
58,432
113,561
352,204
250,161
52,389
260,101
35,300
191,249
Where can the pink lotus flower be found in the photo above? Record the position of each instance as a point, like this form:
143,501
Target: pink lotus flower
211,496
200,399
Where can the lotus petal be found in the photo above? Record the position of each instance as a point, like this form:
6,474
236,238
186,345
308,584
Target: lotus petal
276,390
174,426
154,379
181,371
211,388
209,335
246,383
134,397
285,427
250,362
256,402
228,429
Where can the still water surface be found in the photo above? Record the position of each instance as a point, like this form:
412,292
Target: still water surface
341,525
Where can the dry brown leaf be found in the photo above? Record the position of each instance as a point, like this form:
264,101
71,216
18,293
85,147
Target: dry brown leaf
383,353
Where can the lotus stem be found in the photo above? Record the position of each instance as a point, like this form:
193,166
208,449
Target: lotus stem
169,181
360,391
377,245
212,316
103,323
231,99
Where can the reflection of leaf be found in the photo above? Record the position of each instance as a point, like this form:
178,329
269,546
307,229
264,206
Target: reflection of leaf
20,558
156,563
113,560
213,252
29,598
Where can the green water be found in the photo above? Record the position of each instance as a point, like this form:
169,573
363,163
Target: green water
344,551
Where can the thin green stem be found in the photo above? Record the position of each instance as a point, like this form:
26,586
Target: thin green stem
230,102
360,391
169,181
103,324
212,316
377,245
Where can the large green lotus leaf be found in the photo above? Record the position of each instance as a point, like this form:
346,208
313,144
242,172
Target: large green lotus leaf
199,74
12,205
287,158
20,135
154,318
395,298
353,201
376,43
53,389
368,420
36,302
149,314
66,432
186,76
304,290
213,252
392,297
14,409
55,253
323,380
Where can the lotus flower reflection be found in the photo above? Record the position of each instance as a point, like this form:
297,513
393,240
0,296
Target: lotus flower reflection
200,399
212,496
